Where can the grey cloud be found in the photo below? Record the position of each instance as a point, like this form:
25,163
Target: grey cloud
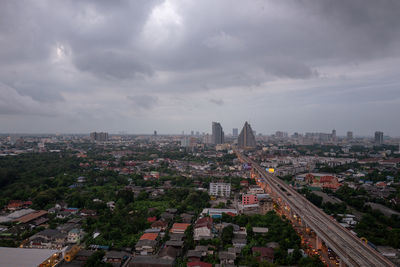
13,103
143,101
366,28
224,42
290,69
256,45
218,102
110,64
39,92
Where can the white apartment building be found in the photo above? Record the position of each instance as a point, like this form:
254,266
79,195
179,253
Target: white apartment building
220,189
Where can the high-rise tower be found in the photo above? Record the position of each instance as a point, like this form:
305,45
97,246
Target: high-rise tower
217,133
379,138
246,137
235,132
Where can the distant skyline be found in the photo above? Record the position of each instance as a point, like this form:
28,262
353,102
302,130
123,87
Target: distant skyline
140,66
189,133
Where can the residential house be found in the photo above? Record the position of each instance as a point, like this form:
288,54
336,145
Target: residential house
145,247
236,250
151,261
179,228
263,253
186,218
14,205
203,228
111,205
74,236
194,255
116,258
48,239
149,236
169,252
87,213
176,236
162,225
198,264
239,242
204,250
63,214
151,219
239,238
226,257
167,216
260,230
178,244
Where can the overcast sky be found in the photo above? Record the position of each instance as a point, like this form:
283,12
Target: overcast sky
138,66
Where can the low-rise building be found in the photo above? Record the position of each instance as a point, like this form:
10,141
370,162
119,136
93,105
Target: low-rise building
249,199
203,228
75,236
220,189
264,254
145,247
179,228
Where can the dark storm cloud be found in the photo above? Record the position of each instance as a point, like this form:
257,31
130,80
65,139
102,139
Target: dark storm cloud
366,28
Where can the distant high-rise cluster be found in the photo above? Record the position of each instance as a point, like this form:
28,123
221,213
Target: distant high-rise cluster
322,137
349,135
246,137
217,133
279,134
333,135
188,141
235,132
379,138
101,136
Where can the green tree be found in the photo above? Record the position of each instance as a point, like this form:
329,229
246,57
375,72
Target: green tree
95,260
227,235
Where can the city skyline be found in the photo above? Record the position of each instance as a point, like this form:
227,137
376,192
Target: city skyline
202,133
138,66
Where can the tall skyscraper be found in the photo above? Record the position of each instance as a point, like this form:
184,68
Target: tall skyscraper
235,132
379,138
246,137
349,135
217,133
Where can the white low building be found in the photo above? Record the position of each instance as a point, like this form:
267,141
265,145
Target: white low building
220,189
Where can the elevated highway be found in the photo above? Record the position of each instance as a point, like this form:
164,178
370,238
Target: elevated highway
351,250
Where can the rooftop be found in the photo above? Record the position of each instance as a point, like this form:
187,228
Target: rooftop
31,216
24,257
149,236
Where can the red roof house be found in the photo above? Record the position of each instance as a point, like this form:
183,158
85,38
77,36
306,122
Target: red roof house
199,264
151,219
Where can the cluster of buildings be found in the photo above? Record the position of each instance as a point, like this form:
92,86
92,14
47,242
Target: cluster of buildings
99,136
293,165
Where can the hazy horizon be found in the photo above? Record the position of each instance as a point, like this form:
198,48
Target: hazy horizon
294,66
